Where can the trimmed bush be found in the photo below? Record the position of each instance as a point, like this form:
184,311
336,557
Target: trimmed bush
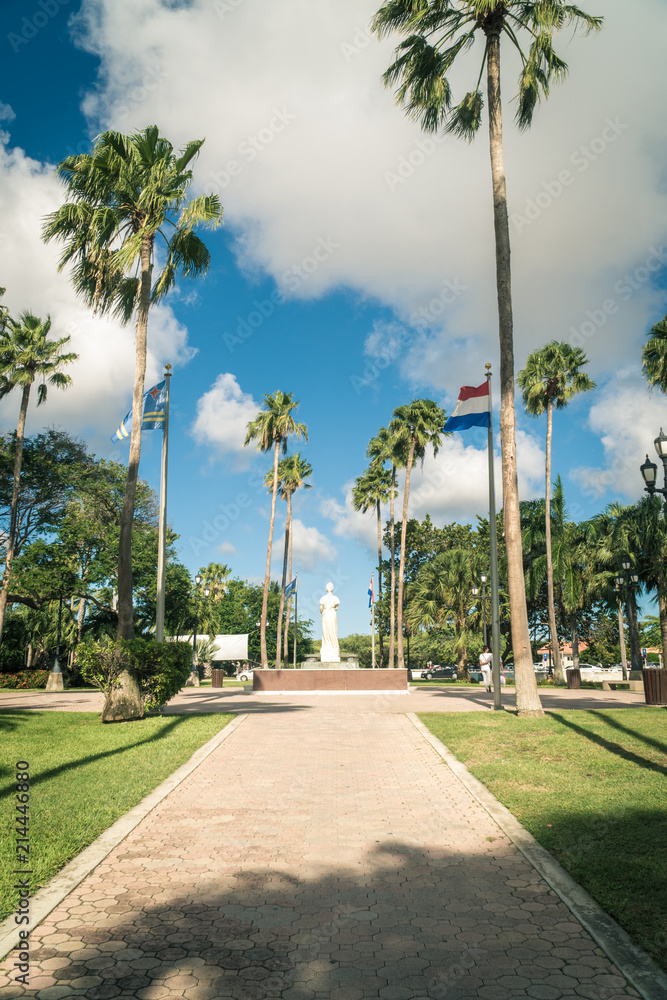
161,667
24,679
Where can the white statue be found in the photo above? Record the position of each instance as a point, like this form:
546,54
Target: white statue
328,606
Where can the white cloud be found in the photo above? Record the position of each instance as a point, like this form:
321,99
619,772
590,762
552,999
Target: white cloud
227,548
7,113
627,416
223,414
310,548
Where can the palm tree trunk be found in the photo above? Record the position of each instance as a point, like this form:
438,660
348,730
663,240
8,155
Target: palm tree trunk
527,697
289,573
13,517
621,639
401,569
267,571
124,702
279,628
379,516
551,609
632,623
392,585
575,642
662,611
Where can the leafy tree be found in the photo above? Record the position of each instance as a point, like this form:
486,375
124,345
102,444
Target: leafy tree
26,355
552,376
654,355
292,473
271,429
435,33
415,426
129,190
369,492
215,576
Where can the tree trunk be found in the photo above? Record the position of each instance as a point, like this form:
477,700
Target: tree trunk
401,569
124,702
392,585
289,573
527,697
662,611
379,598
632,623
621,639
13,518
267,572
279,628
558,671
575,642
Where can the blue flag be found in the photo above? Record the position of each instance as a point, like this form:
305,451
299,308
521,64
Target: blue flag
153,419
290,588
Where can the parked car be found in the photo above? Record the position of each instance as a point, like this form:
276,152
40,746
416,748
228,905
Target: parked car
448,673
245,675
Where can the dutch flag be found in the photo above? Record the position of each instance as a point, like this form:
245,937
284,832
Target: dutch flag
472,409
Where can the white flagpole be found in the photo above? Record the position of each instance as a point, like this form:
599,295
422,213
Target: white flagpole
162,531
296,591
372,629
493,545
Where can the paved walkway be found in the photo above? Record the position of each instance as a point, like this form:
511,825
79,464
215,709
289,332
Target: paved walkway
319,852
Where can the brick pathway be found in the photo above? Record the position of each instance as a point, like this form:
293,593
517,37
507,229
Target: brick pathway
316,854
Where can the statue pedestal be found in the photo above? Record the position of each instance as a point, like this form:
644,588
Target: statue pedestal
329,678
345,663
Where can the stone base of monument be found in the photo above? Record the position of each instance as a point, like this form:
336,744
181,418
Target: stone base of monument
330,678
345,663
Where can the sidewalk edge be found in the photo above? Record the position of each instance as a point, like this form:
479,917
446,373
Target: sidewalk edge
637,967
46,899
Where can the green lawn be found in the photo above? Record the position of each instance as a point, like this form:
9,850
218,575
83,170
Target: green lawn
83,776
591,787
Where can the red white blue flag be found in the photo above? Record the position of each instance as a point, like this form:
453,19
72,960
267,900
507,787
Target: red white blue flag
371,595
472,409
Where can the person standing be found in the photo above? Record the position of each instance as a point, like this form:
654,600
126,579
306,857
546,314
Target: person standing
485,665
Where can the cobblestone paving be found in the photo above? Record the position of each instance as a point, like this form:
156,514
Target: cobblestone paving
316,854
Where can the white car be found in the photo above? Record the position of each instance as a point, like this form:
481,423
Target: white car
245,675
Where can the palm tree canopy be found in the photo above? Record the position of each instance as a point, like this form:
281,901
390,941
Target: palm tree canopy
385,447
129,190
419,423
274,424
370,488
292,474
553,376
26,355
215,576
438,30
654,355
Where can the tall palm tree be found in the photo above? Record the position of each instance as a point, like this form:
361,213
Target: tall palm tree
127,192
271,429
292,474
215,577
370,491
654,355
416,425
437,31
26,355
552,376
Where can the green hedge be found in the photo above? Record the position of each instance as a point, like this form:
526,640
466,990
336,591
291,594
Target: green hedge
25,679
161,667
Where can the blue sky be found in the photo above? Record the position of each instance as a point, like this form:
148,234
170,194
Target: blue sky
355,268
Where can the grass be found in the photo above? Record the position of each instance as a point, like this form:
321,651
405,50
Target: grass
83,776
590,786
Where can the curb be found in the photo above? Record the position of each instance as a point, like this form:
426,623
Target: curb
633,963
47,898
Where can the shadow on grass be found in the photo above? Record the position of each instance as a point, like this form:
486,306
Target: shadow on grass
614,748
642,737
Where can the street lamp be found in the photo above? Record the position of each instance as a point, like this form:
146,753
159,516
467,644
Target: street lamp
628,581
193,679
649,470
55,679
475,592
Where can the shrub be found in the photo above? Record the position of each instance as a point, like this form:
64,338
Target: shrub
25,679
161,667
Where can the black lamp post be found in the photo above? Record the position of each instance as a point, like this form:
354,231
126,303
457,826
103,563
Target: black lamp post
475,592
628,581
193,679
649,470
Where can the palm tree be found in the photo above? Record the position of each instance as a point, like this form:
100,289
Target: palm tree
552,376
271,428
292,473
654,355
215,577
387,447
370,491
123,195
416,425
26,355
436,32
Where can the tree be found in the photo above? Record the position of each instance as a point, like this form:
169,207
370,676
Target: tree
654,355
123,195
25,355
437,32
370,491
415,426
271,429
552,376
215,577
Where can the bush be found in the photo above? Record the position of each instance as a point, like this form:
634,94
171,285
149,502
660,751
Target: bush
161,667
25,679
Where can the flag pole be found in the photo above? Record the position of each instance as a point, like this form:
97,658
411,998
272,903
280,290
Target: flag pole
493,546
372,627
296,592
162,531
